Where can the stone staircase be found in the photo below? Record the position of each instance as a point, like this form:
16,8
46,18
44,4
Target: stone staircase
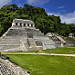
9,43
32,42
46,42
57,41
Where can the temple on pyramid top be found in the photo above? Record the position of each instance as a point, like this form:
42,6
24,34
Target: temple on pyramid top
23,23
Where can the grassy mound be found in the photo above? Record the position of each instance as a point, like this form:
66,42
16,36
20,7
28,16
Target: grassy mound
45,65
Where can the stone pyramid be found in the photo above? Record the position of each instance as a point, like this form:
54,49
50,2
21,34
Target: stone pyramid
23,35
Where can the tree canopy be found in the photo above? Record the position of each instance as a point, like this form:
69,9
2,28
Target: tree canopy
42,21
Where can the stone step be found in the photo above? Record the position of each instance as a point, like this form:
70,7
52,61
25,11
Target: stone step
45,40
39,43
47,43
8,46
12,49
34,32
9,42
16,32
58,42
32,42
13,38
38,33
35,48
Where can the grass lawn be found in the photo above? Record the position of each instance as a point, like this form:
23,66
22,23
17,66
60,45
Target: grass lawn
45,65
61,50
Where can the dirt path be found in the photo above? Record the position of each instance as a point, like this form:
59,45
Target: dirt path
44,54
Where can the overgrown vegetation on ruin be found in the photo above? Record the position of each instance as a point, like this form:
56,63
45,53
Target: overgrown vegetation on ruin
42,21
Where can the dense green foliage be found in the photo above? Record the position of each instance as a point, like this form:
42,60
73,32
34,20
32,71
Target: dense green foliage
42,21
45,65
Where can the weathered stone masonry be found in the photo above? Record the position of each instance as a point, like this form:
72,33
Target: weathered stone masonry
23,35
7,67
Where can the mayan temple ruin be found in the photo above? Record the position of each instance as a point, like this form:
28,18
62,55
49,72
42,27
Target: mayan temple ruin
23,35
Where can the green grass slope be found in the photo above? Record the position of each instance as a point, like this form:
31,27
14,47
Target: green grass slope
45,65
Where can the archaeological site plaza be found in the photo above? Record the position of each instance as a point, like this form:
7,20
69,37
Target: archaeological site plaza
23,35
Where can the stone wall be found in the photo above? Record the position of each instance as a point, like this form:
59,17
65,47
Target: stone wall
8,67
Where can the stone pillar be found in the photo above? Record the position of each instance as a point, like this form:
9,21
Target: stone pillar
18,24
33,25
26,25
22,25
29,25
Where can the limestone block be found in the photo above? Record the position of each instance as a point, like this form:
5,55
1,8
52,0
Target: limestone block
35,48
32,42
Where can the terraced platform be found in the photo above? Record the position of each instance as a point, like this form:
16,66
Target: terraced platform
23,35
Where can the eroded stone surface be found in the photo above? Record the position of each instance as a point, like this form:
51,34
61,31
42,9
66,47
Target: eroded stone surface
7,67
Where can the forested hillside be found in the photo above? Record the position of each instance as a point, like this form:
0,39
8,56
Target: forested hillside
42,21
